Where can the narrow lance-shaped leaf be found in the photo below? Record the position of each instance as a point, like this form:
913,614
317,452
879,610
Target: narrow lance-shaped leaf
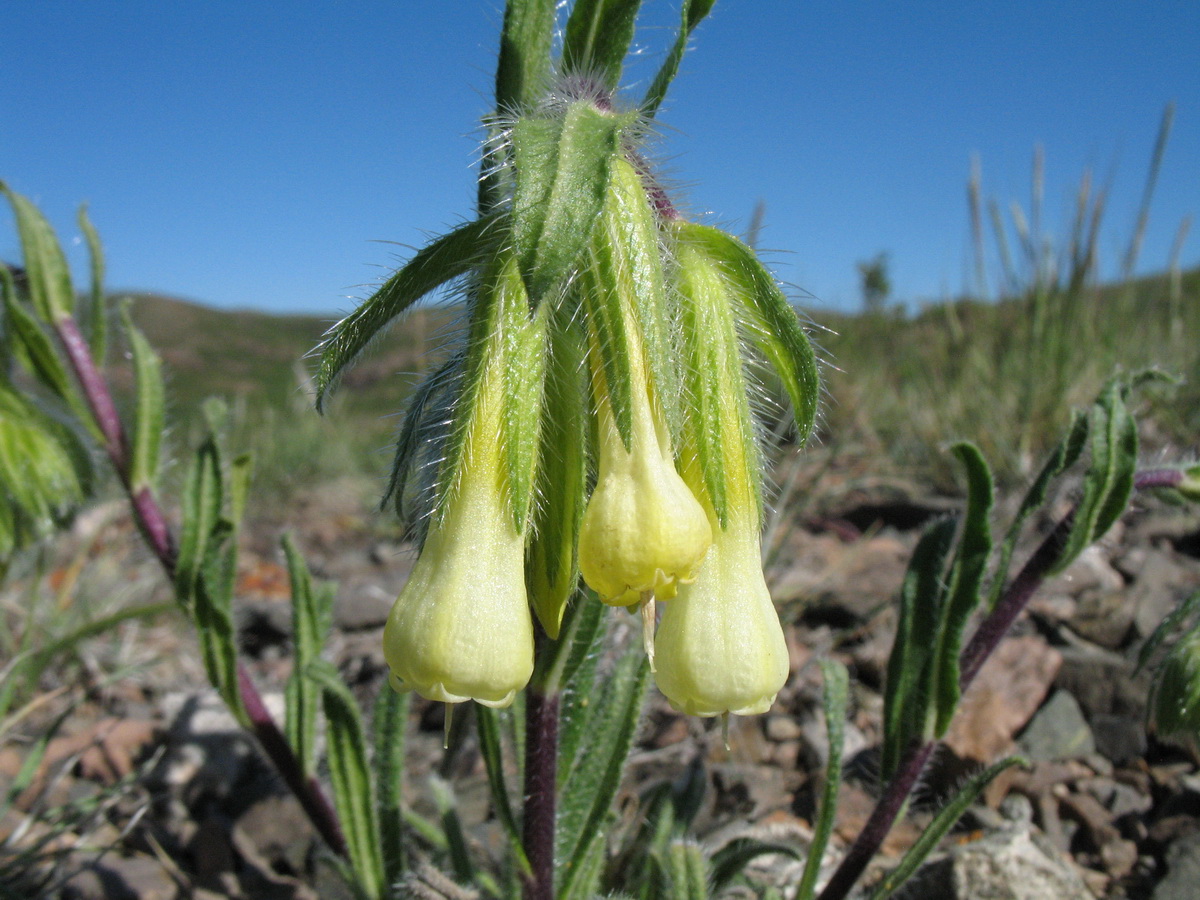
597,38
769,320
589,790
563,164
97,311
1062,458
202,501
50,289
525,336
312,614
213,613
938,828
974,548
552,569
353,793
488,727
908,694
149,416
691,13
387,762
448,257
37,354
1108,481
526,40
834,700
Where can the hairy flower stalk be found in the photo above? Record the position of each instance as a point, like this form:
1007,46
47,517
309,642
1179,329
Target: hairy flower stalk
461,627
720,646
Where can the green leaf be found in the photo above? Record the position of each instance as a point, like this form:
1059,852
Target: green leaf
767,317
525,336
1065,455
448,257
50,289
687,870
523,69
1108,481
691,13
970,563
456,841
353,793
44,471
312,615
387,761
588,792
213,613
563,164
939,827
908,695
202,502
586,871
580,646
427,413
96,319
38,355
720,424
488,727
552,568
1172,622
731,860
149,419
597,38
834,699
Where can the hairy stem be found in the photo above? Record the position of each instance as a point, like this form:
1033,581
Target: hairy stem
541,765
152,522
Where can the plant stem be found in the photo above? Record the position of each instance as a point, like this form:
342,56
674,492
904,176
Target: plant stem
986,639
152,523
888,807
541,766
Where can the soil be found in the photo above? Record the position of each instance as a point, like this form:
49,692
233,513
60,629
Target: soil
179,803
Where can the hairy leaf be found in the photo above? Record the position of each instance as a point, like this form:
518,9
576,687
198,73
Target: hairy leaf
597,38
50,290
834,699
448,257
563,164
353,792
691,13
149,418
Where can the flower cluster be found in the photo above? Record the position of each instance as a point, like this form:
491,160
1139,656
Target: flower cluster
593,426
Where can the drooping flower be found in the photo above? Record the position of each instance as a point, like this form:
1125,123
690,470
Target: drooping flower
720,647
643,529
461,628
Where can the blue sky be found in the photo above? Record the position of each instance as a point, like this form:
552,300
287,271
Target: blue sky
263,155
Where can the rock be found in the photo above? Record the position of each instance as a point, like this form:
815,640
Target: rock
1005,693
1183,870
1103,618
362,606
1163,580
116,877
1121,739
1103,682
1017,864
1057,731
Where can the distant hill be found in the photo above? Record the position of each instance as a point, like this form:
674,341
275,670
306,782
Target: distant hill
263,357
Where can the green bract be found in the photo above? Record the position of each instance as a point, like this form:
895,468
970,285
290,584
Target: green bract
593,418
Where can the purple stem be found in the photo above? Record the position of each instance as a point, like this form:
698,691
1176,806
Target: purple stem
541,766
154,527
985,639
888,807
307,790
